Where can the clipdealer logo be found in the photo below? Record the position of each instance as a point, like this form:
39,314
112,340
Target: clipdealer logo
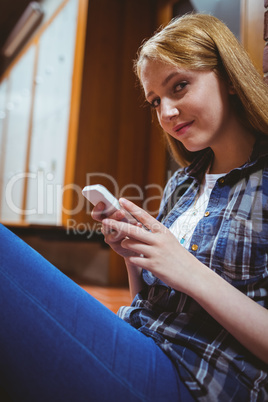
47,199
44,197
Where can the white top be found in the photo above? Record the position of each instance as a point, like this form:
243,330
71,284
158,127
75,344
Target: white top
184,226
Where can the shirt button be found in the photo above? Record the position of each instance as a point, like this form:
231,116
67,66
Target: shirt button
222,180
194,247
207,213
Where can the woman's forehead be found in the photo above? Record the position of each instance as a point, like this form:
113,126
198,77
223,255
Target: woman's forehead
151,66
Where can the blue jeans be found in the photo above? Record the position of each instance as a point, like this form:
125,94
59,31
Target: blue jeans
57,343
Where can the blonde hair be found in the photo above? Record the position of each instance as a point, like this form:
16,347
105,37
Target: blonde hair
203,42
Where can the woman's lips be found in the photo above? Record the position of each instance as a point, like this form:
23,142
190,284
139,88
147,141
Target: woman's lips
182,128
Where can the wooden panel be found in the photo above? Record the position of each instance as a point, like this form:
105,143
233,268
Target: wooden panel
165,11
71,161
141,149
98,125
252,16
114,129
135,121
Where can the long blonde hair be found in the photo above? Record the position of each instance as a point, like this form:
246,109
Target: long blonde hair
203,42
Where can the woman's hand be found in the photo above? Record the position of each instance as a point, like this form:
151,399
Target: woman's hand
155,249
112,237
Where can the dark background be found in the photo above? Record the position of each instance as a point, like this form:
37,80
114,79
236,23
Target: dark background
10,13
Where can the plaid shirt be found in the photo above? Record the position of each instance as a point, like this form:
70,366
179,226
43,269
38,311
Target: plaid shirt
231,239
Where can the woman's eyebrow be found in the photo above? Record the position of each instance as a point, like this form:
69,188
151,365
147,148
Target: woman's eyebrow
165,82
169,77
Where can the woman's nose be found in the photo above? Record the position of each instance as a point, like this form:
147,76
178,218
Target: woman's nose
168,110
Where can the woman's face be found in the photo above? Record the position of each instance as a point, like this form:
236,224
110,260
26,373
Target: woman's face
192,106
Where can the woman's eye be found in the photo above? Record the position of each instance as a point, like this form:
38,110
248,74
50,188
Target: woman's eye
180,86
155,103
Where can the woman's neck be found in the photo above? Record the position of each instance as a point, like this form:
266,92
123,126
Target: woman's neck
233,153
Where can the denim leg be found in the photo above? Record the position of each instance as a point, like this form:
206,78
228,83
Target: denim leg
57,343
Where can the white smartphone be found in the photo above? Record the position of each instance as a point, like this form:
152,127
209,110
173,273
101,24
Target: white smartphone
98,193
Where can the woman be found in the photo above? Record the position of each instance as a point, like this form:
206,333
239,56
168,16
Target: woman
199,319
212,105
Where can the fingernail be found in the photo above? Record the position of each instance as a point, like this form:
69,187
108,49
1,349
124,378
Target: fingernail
123,201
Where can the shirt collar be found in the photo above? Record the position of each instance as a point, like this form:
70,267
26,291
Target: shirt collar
260,149
201,163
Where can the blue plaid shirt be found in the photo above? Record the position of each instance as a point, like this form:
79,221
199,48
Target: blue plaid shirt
232,240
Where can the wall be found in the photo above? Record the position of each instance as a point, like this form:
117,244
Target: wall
228,11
